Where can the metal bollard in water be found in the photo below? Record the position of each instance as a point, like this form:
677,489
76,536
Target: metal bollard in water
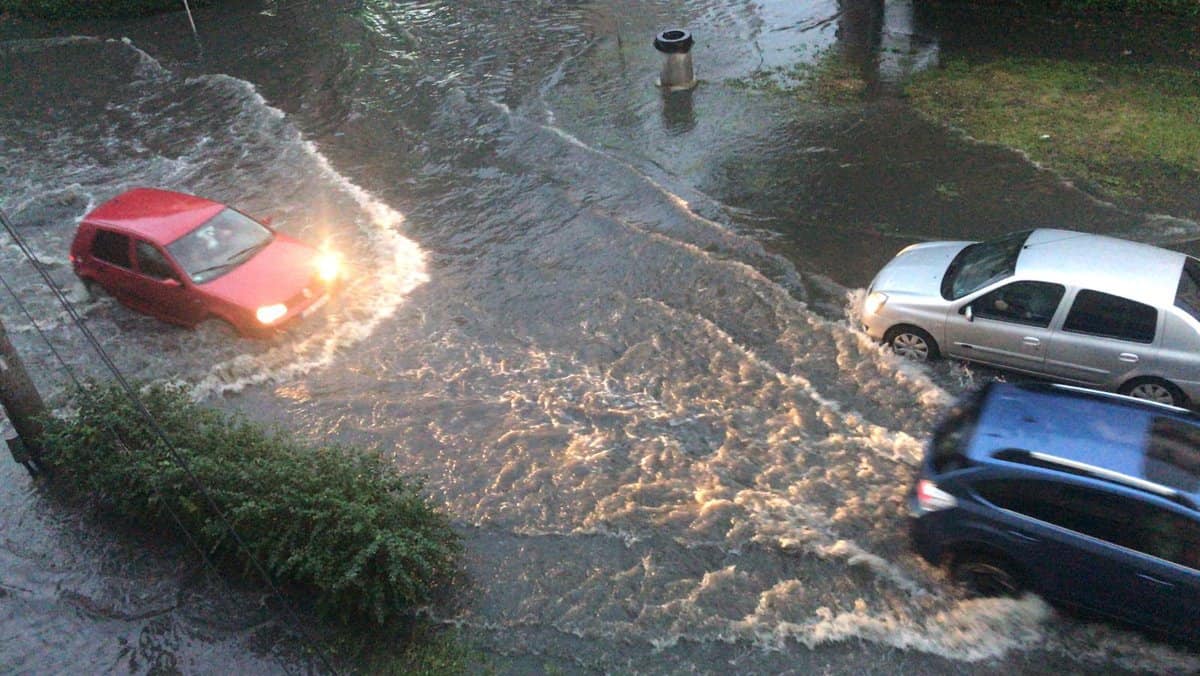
676,45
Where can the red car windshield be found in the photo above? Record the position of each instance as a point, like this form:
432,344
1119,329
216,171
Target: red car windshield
219,245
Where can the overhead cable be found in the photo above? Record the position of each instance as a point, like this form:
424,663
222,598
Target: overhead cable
157,429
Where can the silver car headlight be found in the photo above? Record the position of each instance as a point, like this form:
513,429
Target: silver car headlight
874,302
268,314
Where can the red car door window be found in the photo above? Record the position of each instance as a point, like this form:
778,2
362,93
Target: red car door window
152,263
111,247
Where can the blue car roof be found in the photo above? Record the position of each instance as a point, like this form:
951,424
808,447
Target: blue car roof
1148,442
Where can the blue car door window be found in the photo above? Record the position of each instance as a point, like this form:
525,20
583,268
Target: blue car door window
1094,513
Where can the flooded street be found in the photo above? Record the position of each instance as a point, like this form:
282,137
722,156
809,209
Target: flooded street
611,327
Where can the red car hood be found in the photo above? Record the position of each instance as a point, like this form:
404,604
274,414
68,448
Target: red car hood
273,275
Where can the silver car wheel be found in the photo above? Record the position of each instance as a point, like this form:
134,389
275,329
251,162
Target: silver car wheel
1154,392
911,346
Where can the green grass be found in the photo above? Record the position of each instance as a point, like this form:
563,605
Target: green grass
1133,132
829,78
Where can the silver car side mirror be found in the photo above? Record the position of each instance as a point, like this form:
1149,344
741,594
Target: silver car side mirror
969,313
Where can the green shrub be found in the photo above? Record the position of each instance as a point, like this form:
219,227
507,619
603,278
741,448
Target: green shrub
75,9
334,522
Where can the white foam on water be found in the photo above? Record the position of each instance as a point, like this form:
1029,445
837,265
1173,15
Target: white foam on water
668,489
148,66
699,500
782,615
933,395
398,268
970,630
390,265
855,555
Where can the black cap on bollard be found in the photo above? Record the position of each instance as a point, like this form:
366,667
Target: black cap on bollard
673,41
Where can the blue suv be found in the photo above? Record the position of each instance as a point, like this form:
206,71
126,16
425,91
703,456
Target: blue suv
1086,498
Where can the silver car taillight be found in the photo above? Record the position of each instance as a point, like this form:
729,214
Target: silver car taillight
930,498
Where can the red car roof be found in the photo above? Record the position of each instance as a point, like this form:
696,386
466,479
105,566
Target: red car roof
161,216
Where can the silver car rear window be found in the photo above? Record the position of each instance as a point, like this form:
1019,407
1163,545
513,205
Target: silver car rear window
1188,296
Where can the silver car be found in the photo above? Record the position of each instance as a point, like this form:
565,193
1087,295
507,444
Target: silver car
1084,309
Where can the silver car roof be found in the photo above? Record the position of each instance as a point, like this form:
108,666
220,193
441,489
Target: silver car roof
1133,270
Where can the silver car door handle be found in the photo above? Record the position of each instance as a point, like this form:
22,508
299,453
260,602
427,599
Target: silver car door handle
1155,580
1128,356
1030,340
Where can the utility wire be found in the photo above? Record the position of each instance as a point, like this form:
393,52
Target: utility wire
207,561
108,426
190,19
54,351
158,431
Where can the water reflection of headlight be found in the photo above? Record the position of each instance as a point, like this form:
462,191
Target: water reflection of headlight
267,314
329,266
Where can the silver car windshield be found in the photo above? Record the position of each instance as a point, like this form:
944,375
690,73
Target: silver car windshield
219,245
982,263
1188,296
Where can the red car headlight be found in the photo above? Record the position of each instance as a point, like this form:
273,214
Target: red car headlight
269,314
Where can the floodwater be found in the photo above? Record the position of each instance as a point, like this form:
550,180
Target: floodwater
611,327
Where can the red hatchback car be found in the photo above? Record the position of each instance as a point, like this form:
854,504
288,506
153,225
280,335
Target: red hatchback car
189,260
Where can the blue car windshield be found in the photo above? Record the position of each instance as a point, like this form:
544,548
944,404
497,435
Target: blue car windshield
219,245
982,263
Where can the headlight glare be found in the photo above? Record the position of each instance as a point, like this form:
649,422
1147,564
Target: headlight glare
329,266
269,314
